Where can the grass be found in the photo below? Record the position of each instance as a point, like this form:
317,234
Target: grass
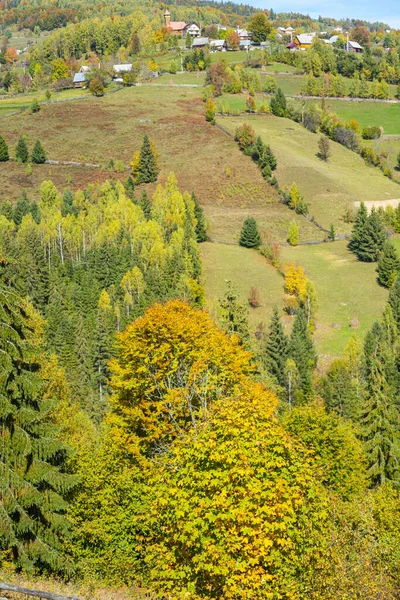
328,188
196,78
346,288
244,268
237,102
389,146
384,114
21,101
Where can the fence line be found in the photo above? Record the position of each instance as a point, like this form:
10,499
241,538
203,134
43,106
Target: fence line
36,593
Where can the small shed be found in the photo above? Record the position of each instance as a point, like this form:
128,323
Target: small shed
354,47
218,45
201,42
79,80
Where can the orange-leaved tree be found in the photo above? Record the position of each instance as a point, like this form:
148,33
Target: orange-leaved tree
172,364
240,512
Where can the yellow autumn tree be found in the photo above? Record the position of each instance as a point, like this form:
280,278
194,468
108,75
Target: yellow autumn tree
242,516
172,364
296,281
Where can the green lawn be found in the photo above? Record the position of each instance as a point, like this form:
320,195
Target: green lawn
346,288
196,78
290,84
15,103
329,188
383,114
244,268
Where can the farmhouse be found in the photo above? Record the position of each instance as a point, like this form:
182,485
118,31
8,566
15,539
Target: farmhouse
176,27
243,34
303,41
201,42
218,45
192,29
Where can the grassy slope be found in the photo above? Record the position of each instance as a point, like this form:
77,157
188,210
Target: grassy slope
204,158
244,268
329,188
346,288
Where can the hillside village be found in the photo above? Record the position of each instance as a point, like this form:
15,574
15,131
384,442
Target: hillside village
199,302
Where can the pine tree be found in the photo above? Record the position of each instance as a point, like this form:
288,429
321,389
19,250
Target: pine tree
388,265
38,154
276,350
270,158
278,104
32,483
394,301
130,188
147,163
201,228
302,351
21,150
249,236
234,315
145,205
358,228
4,156
380,429
22,208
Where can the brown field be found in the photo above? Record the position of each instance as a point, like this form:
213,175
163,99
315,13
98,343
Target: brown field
204,159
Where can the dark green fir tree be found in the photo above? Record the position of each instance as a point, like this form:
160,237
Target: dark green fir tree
145,205
276,350
249,236
21,150
388,265
130,188
4,155
394,301
201,227
234,315
302,351
38,154
148,171
358,228
379,425
32,481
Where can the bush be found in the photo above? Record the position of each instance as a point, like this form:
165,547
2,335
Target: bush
245,136
373,132
96,86
293,234
347,138
34,107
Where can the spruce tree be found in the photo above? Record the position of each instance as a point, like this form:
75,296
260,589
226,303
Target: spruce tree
388,265
21,150
145,205
379,426
358,228
130,188
201,228
22,208
249,236
394,301
4,156
35,212
278,104
32,507
270,158
276,350
147,163
370,238
38,154
302,351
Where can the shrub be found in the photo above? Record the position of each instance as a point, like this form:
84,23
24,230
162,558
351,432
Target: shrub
245,136
346,137
254,297
34,107
211,109
293,234
373,132
96,86
4,156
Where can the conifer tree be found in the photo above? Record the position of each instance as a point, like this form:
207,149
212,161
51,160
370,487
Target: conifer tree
276,350
21,150
249,236
201,228
302,351
388,265
35,212
148,171
278,104
358,228
130,188
4,155
32,483
22,208
234,315
380,432
270,158
394,301
38,154
145,205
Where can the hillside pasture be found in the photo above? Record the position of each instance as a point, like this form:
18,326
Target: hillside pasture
346,288
384,114
329,188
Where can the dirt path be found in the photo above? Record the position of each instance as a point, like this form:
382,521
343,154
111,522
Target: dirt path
379,203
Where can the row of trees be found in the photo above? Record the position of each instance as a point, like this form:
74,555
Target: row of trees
38,155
